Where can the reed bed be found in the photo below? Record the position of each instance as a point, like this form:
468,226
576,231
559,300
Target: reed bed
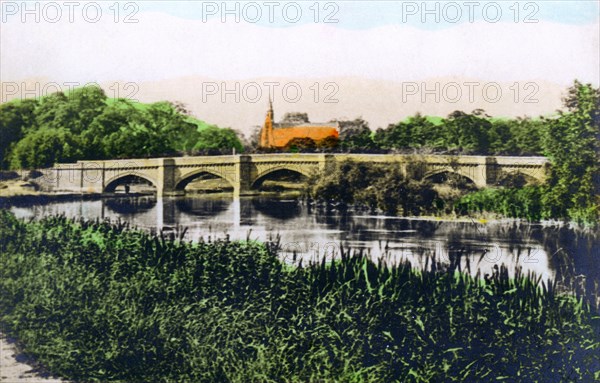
97,301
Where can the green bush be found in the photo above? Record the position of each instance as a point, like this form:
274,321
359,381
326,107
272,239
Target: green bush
375,186
510,202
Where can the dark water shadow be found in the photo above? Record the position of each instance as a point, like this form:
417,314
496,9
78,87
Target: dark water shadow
130,205
202,207
278,209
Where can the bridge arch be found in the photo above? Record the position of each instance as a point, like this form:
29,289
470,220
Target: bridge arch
440,174
111,184
280,170
304,170
516,178
184,180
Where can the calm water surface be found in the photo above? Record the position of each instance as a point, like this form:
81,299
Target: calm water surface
311,233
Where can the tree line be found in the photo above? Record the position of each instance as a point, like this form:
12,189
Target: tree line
459,133
571,141
86,124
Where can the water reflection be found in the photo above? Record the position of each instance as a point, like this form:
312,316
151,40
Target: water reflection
309,234
284,209
130,205
202,207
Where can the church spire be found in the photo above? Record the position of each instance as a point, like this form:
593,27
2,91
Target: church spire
266,134
271,113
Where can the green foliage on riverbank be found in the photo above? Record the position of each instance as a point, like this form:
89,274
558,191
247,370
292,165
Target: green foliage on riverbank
510,202
97,302
85,124
375,186
573,146
572,192
572,143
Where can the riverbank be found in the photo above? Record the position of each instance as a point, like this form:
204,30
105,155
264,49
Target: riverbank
475,217
17,187
45,198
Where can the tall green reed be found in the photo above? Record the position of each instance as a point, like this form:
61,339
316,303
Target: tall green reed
98,301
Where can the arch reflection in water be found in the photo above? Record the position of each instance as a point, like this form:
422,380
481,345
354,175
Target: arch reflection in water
130,205
202,207
278,209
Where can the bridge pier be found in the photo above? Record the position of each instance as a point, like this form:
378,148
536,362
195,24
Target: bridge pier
165,182
242,177
491,171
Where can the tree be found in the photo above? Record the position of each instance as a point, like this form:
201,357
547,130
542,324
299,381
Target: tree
216,139
415,132
500,138
301,144
374,186
572,143
85,124
15,117
527,135
99,140
136,140
396,136
44,148
467,132
295,118
74,111
328,143
165,121
355,135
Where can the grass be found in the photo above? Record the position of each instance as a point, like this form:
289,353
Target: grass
201,125
95,301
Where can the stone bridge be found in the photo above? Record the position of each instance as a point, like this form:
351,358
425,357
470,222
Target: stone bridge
246,172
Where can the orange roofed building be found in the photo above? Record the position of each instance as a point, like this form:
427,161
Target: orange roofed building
277,135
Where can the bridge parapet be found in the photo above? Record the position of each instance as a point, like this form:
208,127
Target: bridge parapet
243,172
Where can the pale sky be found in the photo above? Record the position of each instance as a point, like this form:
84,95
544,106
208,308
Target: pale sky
373,40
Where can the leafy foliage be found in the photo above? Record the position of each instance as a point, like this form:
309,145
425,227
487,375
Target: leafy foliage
14,118
301,144
381,187
98,302
85,124
573,146
355,135
510,202
572,143
44,147
215,139
461,132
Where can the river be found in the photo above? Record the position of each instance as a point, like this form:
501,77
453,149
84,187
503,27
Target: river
308,233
